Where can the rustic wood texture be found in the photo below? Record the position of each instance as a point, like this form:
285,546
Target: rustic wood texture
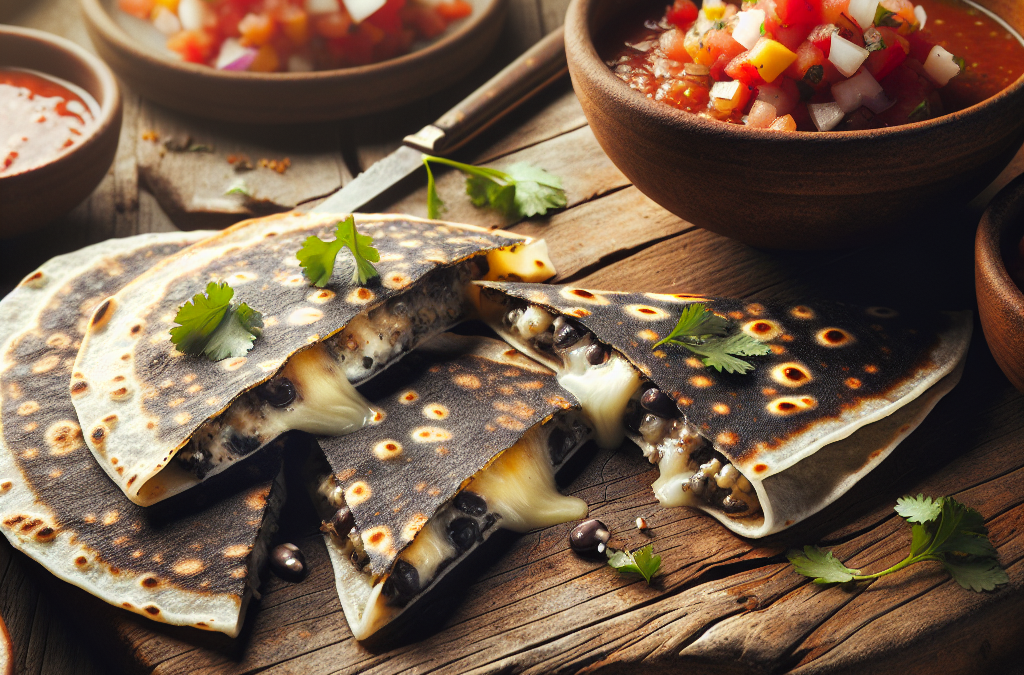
722,604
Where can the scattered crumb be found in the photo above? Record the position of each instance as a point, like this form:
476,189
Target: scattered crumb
279,166
174,145
641,523
241,163
151,136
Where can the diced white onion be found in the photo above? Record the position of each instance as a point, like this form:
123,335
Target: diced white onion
863,12
879,103
234,56
360,9
166,21
195,14
726,92
851,93
761,116
846,56
748,30
826,116
322,6
921,16
781,100
941,66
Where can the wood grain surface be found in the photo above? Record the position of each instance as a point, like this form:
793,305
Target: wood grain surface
526,604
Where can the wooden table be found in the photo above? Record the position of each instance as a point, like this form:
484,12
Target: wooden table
722,604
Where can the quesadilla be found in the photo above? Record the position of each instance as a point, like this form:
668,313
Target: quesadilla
471,437
838,388
57,505
184,419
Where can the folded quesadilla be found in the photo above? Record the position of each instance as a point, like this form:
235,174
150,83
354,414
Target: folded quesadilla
57,505
471,437
184,419
837,389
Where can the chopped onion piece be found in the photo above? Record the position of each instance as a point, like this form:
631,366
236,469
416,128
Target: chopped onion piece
725,95
234,56
941,66
846,56
879,103
783,101
826,116
921,16
863,12
784,123
195,14
166,21
761,116
322,6
748,30
851,93
360,9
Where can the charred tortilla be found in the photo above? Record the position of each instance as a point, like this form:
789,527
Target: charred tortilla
760,451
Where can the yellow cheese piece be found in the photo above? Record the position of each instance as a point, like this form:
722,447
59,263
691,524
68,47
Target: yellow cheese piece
771,58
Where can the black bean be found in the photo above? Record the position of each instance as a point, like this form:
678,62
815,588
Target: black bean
288,562
655,401
403,583
471,503
559,445
241,445
278,392
341,523
588,535
566,333
733,506
367,363
596,354
463,532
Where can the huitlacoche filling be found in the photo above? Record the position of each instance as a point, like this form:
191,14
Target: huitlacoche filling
618,400
315,391
516,491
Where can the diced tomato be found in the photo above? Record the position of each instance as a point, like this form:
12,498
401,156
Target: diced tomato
425,20
294,24
831,10
919,47
687,94
910,90
883,61
796,12
228,18
453,10
266,61
790,36
716,44
256,29
741,69
333,25
354,49
682,13
673,45
821,37
139,8
388,18
194,46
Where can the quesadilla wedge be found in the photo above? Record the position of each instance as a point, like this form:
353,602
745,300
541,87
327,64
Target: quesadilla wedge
57,505
471,437
184,419
838,388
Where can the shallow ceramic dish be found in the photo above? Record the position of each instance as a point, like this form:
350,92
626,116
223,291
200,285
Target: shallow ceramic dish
1000,301
137,53
791,190
37,196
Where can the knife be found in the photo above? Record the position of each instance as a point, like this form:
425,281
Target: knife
538,67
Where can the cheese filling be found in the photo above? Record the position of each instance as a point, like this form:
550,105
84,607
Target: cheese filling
516,491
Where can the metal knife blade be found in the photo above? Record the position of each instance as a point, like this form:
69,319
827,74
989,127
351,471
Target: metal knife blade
538,67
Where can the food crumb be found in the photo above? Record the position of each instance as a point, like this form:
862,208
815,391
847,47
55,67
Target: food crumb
279,166
240,162
641,523
151,136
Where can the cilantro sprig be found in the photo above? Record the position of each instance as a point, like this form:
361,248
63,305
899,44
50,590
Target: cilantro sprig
211,325
642,561
522,190
944,531
317,257
707,335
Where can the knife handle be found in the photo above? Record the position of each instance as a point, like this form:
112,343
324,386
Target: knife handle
535,69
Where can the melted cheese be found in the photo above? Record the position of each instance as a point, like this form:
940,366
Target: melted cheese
430,547
604,391
521,262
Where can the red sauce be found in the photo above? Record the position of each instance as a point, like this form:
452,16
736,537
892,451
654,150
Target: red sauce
40,119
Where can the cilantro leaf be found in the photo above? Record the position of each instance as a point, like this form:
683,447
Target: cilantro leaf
705,333
821,566
210,325
642,561
317,257
696,320
976,574
521,191
919,509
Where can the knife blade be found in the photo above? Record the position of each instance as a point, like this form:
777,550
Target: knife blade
534,70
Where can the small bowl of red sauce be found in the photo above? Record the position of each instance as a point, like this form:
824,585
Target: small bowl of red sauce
60,116
803,124
999,279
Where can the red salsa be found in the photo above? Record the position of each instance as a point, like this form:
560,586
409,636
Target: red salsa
41,118
817,64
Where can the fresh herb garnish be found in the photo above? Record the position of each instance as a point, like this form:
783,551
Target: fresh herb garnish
317,257
960,61
761,29
944,530
239,187
642,561
814,74
211,325
884,17
706,334
522,190
922,112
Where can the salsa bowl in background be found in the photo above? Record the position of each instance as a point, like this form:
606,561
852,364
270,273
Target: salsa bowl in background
48,189
784,189
138,54
999,277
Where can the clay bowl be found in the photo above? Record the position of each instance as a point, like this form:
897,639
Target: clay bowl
37,196
137,53
1000,301
790,190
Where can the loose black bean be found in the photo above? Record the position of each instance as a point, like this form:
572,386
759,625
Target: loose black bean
566,333
588,535
278,392
596,354
288,562
403,583
463,532
655,401
471,503
341,523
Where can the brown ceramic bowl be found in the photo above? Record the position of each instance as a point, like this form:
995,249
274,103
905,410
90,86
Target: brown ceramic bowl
137,54
1000,301
790,190
40,195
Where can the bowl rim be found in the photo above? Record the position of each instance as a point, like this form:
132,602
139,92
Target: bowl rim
996,223
109,101
580,44
100,18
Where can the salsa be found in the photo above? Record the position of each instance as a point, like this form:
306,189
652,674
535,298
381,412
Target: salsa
817,64
294,35
41,118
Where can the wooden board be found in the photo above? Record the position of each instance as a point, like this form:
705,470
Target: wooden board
528,605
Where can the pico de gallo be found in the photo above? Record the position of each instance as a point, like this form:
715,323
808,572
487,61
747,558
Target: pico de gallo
295,35
824,65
